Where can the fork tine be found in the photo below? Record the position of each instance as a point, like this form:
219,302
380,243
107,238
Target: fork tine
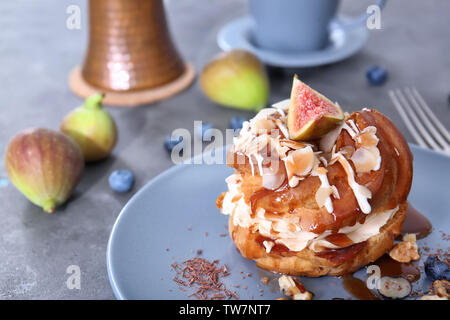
425,106
431,128
418,124
405,118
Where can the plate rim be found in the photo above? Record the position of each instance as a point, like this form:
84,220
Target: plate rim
162,175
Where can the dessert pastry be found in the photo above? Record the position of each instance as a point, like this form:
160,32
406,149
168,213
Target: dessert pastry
326,206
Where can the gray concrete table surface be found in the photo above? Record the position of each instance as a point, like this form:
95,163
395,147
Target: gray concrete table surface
37,52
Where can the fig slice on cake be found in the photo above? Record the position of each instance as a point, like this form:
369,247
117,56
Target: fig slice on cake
311,114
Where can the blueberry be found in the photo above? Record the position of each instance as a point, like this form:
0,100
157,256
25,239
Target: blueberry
376,75
237,122
436,269
446,275
202,131
121,180
170,143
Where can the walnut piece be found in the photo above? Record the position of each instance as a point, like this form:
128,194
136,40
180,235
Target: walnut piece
440,291
265,280
407,250
293,288
442,288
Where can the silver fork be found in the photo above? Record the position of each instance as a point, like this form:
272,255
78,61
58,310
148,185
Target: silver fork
420,120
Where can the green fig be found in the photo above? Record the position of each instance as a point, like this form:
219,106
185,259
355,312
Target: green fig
45,165
236,79
92,128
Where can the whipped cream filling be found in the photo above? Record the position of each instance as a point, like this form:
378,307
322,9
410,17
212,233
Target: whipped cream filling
285,230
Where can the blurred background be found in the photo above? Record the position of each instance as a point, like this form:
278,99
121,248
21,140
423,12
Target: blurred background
38,52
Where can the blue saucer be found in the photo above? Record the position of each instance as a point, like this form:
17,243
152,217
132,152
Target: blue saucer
343,44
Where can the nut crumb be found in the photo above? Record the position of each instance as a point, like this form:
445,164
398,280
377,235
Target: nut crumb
407,250
293,288
442,288
265,280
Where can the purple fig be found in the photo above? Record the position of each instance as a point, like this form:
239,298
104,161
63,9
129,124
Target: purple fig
92,128
310,114
45,165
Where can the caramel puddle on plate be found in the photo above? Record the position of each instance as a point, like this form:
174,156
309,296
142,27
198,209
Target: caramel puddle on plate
417,223
390,267
357,288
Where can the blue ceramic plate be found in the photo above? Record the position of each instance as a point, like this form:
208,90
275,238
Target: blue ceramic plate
343,44
175,210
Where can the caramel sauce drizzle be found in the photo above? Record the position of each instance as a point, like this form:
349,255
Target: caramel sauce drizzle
342,255
339,239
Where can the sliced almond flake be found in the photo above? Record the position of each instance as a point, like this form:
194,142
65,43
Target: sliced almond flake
350,130
262,126
367,137
321,170
347,151
283,104
268,245
335,192
353,125
257,144
333,156
323,196
292,144
264,227
281,112
294,181
328,140
324,161
272,178
300,162
282,127
281,151
264,114
366,159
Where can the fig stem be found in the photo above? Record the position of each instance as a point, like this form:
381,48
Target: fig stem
49,205
94,101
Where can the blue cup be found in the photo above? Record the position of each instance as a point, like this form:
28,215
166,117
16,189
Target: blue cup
292,26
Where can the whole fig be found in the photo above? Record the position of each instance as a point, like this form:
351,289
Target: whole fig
92,128
45,165
236,79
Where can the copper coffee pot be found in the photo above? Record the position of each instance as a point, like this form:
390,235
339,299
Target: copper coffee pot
130,56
